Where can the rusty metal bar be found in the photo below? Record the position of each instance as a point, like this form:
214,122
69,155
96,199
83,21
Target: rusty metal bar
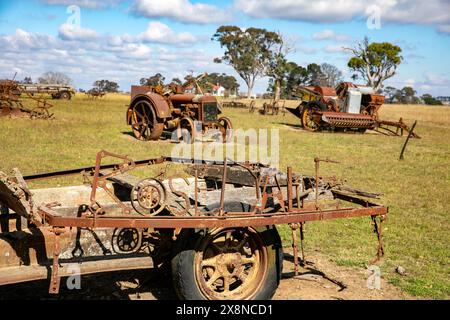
410,133
224,182
289,188
239,219
11,275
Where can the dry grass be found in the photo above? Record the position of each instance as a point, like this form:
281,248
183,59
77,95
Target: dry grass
416,189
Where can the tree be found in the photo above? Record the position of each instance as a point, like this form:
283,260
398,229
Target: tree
391,94
106,86
27,80
375,62
278,65
247,51
331,74
228,82
407,95
315,75
177,81
296,75
54,78
430,100
155,80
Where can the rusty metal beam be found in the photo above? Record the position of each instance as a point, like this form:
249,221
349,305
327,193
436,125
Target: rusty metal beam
17,274
236,219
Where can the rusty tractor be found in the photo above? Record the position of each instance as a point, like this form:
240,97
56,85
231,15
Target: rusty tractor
347,107
216,229
156,109
11,102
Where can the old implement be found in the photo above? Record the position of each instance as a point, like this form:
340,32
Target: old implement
349,107
215,226
155,109
11,102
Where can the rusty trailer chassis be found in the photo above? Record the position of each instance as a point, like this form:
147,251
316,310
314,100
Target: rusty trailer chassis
279,198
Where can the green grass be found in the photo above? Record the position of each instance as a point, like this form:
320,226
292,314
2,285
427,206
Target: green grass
416,233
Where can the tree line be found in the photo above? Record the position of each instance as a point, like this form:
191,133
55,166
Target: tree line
407,95
207,82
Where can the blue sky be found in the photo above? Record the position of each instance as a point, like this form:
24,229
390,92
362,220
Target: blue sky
126,40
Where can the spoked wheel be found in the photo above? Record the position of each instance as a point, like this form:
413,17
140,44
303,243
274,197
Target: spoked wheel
228,263
226,128
40,113
126,240
186,131
148,197
307,118
64,95
144,122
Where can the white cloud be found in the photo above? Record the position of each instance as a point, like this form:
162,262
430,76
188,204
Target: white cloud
329,34
23,39
72,32
91,4
444,29
122,58
180,10
161,33
335,48
431,12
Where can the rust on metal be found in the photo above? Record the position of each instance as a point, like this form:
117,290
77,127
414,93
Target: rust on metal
11,102
266,197
153,110
347,107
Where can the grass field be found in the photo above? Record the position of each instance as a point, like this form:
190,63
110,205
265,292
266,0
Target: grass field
417,189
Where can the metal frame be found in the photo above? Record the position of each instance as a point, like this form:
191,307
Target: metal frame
266,187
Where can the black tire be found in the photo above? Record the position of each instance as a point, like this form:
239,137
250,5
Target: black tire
64,95
183,263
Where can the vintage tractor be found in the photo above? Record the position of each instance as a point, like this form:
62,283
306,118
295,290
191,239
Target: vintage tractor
156,109
347,107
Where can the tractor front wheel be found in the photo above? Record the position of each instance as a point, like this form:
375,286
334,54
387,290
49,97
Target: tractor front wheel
226,128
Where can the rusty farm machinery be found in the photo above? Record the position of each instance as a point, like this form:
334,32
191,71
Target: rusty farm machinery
348,107
215,227
154,109
11,102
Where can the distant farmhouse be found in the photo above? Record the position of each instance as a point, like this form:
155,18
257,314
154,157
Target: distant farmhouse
218,91
444,100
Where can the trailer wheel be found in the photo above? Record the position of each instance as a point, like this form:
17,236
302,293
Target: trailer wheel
64,95
228,263
144,123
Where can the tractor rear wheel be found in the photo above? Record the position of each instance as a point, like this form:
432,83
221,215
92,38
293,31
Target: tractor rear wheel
144,123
